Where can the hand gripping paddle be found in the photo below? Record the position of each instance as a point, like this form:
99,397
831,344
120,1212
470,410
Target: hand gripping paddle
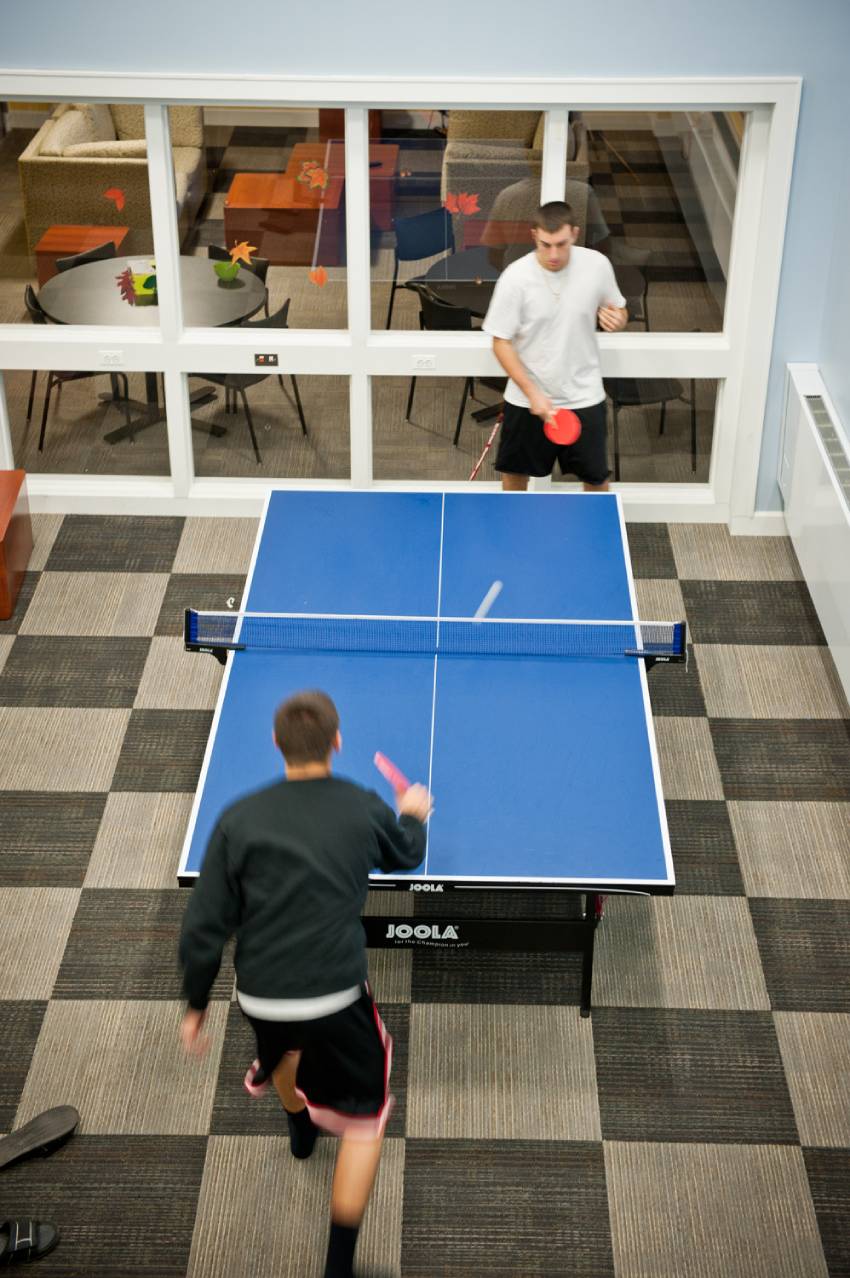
564,427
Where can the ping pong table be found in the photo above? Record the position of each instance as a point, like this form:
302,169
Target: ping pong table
544,770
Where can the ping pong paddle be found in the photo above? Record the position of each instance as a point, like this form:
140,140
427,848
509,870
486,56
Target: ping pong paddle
564,427
390,772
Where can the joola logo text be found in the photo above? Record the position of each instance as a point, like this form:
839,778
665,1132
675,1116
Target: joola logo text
426,887
420,932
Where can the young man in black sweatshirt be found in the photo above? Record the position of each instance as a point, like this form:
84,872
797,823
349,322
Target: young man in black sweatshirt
286,871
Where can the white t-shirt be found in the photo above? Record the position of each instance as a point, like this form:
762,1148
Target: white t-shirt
550,319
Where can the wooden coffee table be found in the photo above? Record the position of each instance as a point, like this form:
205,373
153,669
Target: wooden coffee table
64,241
293,224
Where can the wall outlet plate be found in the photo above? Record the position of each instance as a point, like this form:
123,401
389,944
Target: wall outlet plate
265,361
111,359
424,361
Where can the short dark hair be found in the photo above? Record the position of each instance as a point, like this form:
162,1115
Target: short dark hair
305,727
552,216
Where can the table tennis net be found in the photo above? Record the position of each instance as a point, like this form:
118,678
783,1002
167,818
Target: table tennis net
292,632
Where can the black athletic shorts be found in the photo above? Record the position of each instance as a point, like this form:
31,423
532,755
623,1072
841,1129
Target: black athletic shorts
525,450
344,1071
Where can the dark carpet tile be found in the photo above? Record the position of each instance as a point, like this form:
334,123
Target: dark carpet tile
481,1208
163,750
675,688
46,839
124,1205
11,625
211,231
688,1075
805,953
703,846
204,591
651,551
829,1181
115,543
21,1023
396,1018
755,612
77,671
802,759
235,1113
123,945
485,976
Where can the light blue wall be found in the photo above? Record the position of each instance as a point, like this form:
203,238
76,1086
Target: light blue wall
502,38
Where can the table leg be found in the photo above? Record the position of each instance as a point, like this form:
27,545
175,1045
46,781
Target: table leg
150,413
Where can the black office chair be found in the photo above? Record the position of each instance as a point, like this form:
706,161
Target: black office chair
631,392
258,266
91,255
56,379
437,316
419,237
237,383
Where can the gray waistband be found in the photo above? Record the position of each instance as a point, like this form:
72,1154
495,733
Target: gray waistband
297,1009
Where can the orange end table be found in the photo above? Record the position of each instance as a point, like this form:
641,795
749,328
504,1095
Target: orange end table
62,241
15,537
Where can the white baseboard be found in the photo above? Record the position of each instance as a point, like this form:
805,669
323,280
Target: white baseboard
764,523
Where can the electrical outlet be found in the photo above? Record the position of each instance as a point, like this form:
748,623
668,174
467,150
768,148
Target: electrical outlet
424,361
111,359
263,361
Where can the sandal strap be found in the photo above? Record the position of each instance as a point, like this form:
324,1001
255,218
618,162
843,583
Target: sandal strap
22,1235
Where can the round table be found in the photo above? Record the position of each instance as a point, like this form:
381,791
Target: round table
90,294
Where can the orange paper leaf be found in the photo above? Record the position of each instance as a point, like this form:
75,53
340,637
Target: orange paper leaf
467,203
319,276
318,177
450,203
242,251
117,195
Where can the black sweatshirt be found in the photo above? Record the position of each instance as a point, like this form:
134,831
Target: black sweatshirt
286,870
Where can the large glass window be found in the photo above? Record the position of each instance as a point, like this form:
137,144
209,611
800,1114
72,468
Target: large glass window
87,423
433,428
269,224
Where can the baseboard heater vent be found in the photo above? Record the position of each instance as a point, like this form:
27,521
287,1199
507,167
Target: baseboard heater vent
814,479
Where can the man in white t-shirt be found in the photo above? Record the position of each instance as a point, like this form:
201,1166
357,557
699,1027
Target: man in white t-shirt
542,319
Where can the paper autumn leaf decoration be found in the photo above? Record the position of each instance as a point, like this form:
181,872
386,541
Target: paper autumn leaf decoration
312,174
463,202
117,195
125,284
242,251
319,276
318,177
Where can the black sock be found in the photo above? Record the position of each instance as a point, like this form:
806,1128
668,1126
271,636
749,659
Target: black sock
341,1246
302,1133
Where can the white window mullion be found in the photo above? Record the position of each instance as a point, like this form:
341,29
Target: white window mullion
554,175
167,257
359,288
7,458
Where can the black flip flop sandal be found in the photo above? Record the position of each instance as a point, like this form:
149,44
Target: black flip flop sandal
41,1135
24,1240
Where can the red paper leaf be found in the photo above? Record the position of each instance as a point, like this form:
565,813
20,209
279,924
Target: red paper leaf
125,284
467,203
450,203
117,195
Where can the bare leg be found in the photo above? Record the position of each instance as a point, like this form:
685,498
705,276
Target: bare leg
284,1081
514,483
596,488
354,1175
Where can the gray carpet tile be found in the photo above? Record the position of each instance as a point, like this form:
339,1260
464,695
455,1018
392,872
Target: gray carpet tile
481,976
162,750
828,1171
711,1211
480,1208
83,672
88,603
116,543
756,612
216,546
11,625
174,679
703,847
138,1081
793,849
770,682
123,945
46,839
709,552
20,1020
805,953
815,1049
45,528
45,748
677,1075
139,841
659,599
675,689
797,759
651,551
687,760
6,644
36,923
124,1205
205,591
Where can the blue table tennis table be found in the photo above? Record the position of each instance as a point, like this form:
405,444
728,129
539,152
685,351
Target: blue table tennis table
544,770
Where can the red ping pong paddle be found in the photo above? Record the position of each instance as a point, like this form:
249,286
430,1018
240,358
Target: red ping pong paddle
391,773
564,427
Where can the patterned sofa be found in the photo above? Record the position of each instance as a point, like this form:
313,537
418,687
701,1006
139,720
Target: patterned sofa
84,150
487,151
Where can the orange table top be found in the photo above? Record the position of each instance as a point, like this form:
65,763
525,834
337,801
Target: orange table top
284,191
77,239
